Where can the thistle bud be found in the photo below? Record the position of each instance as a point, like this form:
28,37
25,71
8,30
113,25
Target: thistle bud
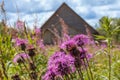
16,77
32,66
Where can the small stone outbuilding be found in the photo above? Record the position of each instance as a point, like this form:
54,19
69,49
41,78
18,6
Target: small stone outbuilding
64,17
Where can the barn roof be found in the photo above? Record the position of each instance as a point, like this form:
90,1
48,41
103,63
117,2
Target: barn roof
65,7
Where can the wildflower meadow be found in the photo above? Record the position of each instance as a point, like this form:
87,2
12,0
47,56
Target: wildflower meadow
24,56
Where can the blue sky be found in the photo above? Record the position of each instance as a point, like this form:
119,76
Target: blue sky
40,10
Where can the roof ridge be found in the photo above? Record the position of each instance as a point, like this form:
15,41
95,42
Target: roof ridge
63,4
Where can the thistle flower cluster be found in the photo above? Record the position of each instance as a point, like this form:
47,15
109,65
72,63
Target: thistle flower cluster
20,58
37,31
16,77
81,39
26,55
59,64
21,42
69,59
20,25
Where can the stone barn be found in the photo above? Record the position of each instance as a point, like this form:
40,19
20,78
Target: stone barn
64,20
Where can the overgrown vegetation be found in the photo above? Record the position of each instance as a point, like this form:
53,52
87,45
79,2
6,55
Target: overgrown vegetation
23,56
112,25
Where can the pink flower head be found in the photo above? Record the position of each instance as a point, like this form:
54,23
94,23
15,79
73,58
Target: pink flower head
68,45
20,57
49,75
31,51
61,63
89,56
40,44
30,47
37,31
66,37
81,39
55,56
20,41
64,65
20,24
103,45
83,53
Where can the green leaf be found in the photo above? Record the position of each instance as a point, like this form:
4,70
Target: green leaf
100,37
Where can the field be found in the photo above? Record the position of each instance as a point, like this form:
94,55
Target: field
23,56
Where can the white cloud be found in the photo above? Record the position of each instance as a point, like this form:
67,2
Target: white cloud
81,10
92,22
31,18
111,10
45,17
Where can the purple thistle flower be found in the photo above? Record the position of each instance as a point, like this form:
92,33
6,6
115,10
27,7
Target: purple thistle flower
61,63
75,52
68,45
31,51
19,58
19,41
89,56
61,67
20,25
55,56
103,45
66,37
78,54
16,77
81,39
40,44
71,61
49,75
83,53
37,31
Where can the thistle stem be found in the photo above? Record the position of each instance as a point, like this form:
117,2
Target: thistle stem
21,70
86,69
4,70
3,67
109,67
27,69
88,65
71,76
109,57
80,73
67,77
89,68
